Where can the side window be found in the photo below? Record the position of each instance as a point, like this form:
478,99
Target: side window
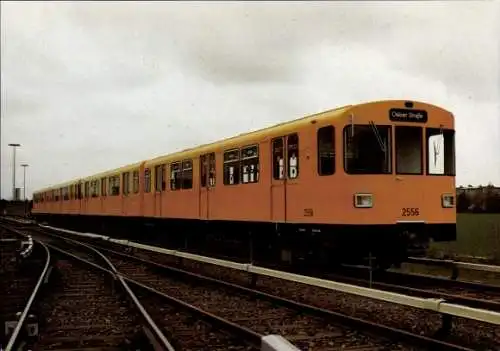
293,156
207,170
250,164
278,159
160,178
211,169
115,185
126,183
65,194
147,180
326,150
103,187
232,167
93,188
203,170
135,182
87,189
175,176
187,174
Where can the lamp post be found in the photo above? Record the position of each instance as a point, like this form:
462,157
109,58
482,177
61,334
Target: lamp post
24,165
14,146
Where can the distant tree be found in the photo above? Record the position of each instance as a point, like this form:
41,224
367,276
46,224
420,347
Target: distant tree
463,202
492,199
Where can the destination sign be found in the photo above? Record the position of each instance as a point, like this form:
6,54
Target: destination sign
402,115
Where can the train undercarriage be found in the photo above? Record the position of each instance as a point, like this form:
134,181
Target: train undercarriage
319,246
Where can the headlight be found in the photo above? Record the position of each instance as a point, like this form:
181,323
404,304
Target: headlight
447,200
363,200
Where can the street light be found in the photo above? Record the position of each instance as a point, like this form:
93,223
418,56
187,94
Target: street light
24,165
14,171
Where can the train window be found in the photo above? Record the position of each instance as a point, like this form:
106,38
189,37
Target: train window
278,159
440,151
232,167
187,174
114,185
135,186
293,156
147,180
175,176
211,169
203,170
65,193
103,187
164,177
408,144
250,164
87,189
207,170
95,188
326,150
160,178
367,149
126,183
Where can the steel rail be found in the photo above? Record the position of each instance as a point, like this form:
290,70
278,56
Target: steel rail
20,322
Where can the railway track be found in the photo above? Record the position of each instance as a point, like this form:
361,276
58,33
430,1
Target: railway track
19,274
80,306
306,326
476,295
466,332
471,334
250,309
187,328
82,311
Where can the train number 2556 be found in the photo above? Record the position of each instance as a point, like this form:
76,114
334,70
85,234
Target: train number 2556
410,211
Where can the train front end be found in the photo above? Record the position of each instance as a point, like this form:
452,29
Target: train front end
399,168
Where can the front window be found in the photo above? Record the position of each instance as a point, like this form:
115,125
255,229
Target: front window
440,151
367,149
409,150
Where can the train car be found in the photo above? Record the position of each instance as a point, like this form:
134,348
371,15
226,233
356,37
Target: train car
370,180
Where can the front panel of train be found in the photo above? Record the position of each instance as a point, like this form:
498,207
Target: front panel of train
399,157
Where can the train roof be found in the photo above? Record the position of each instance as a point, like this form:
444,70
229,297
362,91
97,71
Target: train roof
249,137
240,139
107,173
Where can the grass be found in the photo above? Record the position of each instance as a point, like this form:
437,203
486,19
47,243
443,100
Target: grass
478,235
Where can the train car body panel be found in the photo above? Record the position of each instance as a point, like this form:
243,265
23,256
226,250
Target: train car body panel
378,176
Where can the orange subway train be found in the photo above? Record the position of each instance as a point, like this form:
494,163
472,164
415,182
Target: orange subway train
375,180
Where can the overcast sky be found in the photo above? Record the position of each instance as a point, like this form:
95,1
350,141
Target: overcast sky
92,86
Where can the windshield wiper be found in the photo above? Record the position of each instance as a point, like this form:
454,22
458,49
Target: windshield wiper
379,138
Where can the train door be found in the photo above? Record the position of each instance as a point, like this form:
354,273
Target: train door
278,180
160,187
104,194
78,197
207,182
86,196
409,153
285,153
124,193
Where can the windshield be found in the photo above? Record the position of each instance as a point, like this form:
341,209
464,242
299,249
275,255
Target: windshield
440,151
367,149
408,145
